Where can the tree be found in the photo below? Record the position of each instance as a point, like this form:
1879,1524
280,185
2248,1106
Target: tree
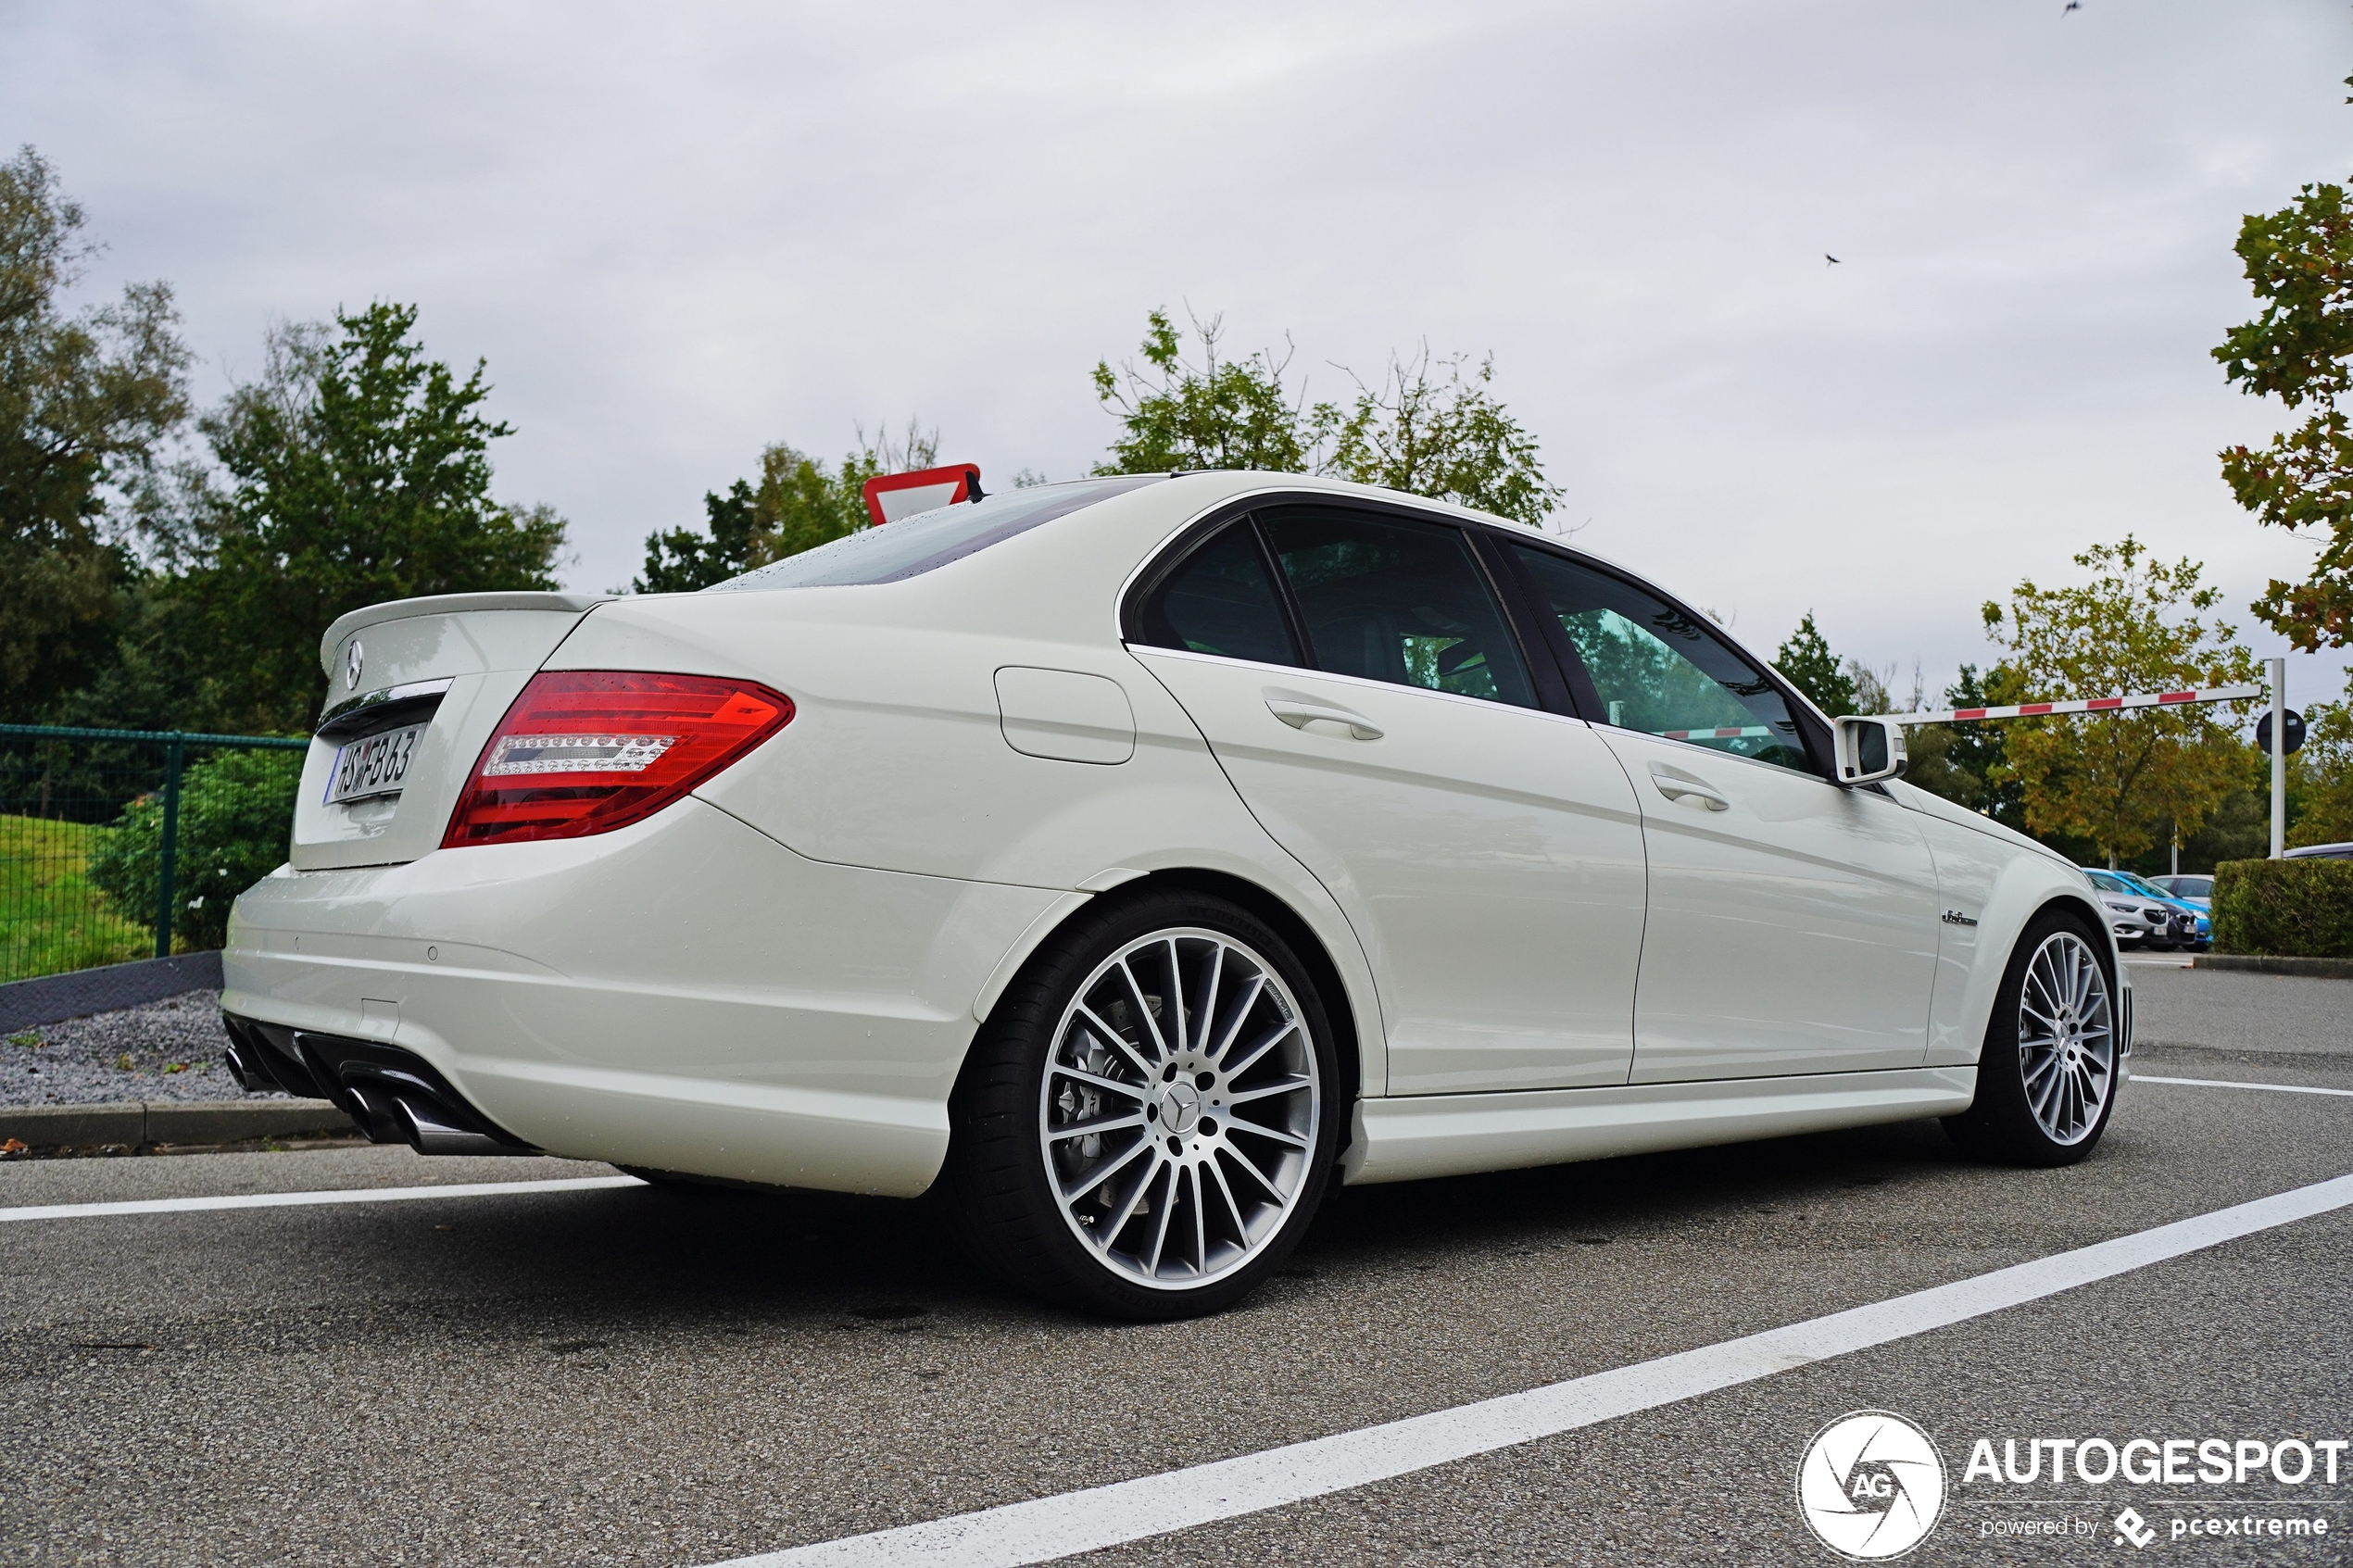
2324,810
85,400
2114,779
1450,440
1964,762
799,505
2299,349
1228,414
1444,435
1806,658
357,470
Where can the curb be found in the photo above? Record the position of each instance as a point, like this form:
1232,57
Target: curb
2323,969
133,1122
53,998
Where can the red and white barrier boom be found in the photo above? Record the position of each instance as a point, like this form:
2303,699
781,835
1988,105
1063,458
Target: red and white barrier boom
2083,704
2276,690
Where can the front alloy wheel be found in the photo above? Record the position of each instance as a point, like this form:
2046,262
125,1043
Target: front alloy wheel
1145,1127
2046,1077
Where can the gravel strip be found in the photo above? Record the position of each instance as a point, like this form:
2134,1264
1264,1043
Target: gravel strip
123,1056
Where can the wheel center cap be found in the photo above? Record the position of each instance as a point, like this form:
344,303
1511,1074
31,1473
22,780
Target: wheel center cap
1179,1107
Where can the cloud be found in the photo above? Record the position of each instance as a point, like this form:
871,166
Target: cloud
677,234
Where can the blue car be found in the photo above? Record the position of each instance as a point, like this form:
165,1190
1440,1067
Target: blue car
2191,924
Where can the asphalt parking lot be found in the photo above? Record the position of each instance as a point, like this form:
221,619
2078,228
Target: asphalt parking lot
636,1375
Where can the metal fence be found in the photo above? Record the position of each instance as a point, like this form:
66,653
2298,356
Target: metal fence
92,844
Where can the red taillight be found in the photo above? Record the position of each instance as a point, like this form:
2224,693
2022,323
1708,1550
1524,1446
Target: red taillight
587,751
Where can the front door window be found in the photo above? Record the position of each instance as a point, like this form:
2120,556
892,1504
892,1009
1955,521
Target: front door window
1663,672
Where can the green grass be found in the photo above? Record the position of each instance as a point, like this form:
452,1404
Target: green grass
51,918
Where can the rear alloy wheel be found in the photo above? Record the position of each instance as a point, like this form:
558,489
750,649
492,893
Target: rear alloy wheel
2046,1078
1147,1126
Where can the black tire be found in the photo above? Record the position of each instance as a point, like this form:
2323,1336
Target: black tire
2004,1125
1004,1190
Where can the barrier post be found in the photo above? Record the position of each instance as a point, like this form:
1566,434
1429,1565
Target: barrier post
2277,670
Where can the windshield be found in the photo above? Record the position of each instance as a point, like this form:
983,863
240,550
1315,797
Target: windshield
2137,885
2108,882
913,545
2194,886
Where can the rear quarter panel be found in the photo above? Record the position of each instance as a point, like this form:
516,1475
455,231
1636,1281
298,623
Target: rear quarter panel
897,758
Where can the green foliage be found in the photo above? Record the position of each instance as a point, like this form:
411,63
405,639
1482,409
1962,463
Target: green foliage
1444,435
1228,414
799,505
52,919
1964,762
1806,658
796,506
2323,806
2299,349
2285,909
2114,780
84,399
234,812
359,471
1450,440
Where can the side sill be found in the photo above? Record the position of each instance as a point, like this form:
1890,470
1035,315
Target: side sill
1409,1138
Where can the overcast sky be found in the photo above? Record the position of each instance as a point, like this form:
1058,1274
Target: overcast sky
680,232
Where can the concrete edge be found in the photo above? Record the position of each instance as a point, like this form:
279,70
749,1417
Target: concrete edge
179,1121
2323,969
53,998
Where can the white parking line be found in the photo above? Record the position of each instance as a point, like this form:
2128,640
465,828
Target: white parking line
301,1200
2228,1083
1045,1528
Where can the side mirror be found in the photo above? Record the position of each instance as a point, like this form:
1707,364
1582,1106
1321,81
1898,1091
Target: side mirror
1869,750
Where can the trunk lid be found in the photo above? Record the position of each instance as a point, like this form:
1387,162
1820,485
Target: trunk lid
425,681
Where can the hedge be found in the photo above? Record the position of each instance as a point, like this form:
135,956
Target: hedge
2285,909
236,809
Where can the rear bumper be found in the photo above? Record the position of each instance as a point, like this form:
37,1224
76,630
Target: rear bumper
686,994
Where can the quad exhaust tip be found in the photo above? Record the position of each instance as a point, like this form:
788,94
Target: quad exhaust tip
395,1096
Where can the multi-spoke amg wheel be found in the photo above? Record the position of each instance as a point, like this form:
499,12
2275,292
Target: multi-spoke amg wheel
1179,1107
2066,1038
1147,1124
2046,1078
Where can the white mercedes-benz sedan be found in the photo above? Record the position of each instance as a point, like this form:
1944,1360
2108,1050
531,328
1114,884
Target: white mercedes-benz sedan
1128,860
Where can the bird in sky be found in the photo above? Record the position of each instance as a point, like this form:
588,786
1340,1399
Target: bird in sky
1832,260
2071,5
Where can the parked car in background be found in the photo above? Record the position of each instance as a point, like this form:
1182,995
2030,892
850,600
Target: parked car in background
2195,891
2148,915
2320,852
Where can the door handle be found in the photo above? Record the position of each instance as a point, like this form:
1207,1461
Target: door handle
1300,712
1675,786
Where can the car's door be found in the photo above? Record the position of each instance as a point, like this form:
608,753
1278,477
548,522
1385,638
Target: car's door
1792,925
1356,677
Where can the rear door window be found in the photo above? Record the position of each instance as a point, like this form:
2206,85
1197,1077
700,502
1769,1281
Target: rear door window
1221,600
1396,600
1663,671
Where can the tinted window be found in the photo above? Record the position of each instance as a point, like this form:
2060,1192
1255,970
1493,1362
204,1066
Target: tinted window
1222,601
1396,601
1662,671
915,545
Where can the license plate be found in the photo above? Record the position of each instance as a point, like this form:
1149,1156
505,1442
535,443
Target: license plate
374,764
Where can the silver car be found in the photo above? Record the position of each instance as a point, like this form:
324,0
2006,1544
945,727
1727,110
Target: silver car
2132,915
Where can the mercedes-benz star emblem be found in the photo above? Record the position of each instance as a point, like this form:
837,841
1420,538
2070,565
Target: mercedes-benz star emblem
351,658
